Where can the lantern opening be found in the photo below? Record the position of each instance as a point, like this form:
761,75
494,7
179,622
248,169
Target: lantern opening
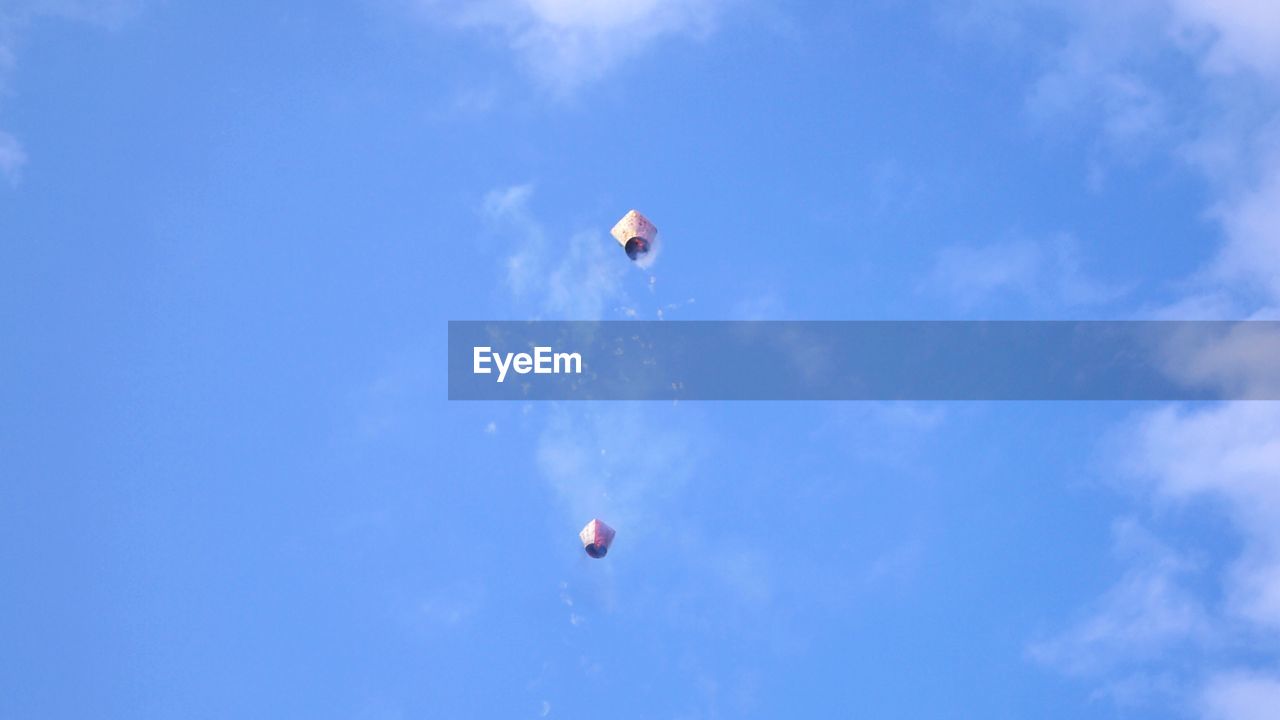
636,247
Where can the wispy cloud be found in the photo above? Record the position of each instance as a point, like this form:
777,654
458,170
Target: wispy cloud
1145,615
1251,221
623,462
577,278
1235,34
565,44
449,606
15,17
12,158
1130,112
1241,695
1047,274
1178,624
1196,79
1225,457
1239,359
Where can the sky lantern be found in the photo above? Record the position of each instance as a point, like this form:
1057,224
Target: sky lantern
596,538
635,234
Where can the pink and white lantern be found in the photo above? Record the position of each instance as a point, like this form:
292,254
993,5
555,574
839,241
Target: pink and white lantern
635,234
596,538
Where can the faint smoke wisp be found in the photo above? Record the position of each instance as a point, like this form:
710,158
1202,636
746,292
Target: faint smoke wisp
578,278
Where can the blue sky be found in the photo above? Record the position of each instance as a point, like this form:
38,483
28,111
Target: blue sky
231,235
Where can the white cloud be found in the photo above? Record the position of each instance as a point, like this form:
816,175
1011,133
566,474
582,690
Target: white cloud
576,279
1238,360
1241,695
1086,83
15,16
619,462
767,305
449,606
100,12
1176,626
1244,34
1143,616
1211,304
12,158
1198,79
1046,273
567,43
1168,625
1251,221
972,273
1226,457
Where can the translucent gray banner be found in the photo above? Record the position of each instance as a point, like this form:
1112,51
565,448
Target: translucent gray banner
864,360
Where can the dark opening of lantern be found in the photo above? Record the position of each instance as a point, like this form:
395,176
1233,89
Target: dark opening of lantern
596,551
636,247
